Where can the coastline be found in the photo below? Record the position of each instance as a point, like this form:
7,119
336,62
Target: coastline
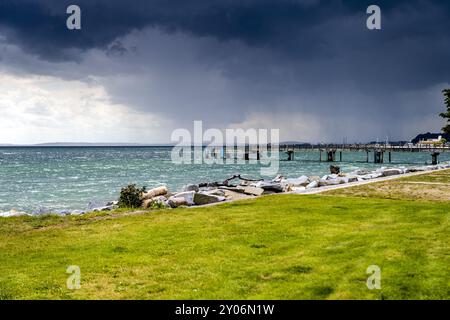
220,192
360,183
344,186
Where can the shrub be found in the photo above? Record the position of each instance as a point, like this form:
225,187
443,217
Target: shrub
131,196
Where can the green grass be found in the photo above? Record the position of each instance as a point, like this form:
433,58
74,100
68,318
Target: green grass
433,187
274,247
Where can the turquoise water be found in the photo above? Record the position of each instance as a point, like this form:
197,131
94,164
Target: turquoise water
70,177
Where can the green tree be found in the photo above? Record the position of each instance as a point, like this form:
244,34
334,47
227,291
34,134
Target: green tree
446,115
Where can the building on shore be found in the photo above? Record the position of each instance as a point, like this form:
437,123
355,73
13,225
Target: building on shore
430,138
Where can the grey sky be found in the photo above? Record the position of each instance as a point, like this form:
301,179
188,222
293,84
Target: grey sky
137,70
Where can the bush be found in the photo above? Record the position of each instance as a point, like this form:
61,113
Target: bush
131,196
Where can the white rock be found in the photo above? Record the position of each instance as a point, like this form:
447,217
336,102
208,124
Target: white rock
331,182
187,195
298,189
160,191
313,184
254,191
12,213
301,181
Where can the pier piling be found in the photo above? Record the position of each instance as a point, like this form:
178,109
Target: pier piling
290,154
434,158
331,155
378,156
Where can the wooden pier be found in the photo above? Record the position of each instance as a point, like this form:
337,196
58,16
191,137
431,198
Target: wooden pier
378,151
328,152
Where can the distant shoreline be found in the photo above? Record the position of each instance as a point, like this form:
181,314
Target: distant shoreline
94,145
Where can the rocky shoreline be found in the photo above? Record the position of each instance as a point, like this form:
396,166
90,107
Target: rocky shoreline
238,187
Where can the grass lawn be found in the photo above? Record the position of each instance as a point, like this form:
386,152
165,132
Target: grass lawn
274,247
433,186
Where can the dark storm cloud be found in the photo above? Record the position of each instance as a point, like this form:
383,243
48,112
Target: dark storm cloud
415,34
310,56
287,25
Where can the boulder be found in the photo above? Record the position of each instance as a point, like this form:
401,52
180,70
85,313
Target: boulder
201,198
63,212
254,191
361,172
160,191
105,208
312,184
330,182
370,176
232,195
343,179
302,181
96,206
209,184
403,169
391,172
270,186
159,201
246,183
238,189
215,192
146,203
12,213
187,195
298,189
175,202
77,212
329,177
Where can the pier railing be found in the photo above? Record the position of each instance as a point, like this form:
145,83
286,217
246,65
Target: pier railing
365,147
331,152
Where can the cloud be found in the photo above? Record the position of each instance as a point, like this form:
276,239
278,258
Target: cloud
42,109
286,63
292,27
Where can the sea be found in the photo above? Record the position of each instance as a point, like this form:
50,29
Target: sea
68,178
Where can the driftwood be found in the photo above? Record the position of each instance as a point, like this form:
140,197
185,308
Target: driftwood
335,169
238,176
225,183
